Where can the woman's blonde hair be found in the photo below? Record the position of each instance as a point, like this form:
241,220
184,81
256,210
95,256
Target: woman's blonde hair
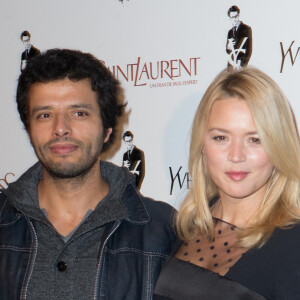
277,129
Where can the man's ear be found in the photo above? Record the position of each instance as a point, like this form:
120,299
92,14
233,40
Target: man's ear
107,134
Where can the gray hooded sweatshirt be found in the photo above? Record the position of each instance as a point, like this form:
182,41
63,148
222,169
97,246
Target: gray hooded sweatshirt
65,267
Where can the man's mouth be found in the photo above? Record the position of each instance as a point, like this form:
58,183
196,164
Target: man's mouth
65,148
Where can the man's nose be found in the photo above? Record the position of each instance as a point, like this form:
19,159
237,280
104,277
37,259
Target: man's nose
61,126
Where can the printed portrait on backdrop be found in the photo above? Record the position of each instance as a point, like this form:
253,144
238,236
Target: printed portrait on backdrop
239,40
134,159
29,52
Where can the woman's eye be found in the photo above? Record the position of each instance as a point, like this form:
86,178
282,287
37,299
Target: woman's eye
219,138
255,140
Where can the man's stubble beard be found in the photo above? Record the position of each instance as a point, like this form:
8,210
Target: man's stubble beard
71,170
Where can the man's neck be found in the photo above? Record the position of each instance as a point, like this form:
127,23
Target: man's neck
237,25
66,201
131,148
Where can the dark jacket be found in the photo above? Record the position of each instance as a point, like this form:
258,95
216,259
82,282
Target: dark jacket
30,53
130,257
243,31
136,156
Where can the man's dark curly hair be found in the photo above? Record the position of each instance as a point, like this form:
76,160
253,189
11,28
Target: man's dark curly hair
127,134
58,64
25,33
233,9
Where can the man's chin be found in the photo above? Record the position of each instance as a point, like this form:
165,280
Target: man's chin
65,173
67,170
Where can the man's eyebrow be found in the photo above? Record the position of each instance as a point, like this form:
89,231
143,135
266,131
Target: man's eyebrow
82,105
48,107
39,108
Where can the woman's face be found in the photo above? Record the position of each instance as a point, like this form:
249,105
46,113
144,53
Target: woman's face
235,157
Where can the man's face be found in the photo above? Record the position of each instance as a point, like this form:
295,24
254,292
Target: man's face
65,127
128,142
26,42
234,18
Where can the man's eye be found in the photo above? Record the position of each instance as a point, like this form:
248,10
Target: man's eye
255,140
43,116
80,114
219,138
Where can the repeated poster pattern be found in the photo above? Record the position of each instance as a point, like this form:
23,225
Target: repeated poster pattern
165,54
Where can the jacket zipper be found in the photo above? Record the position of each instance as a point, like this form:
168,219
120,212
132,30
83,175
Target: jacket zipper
32,258
117,224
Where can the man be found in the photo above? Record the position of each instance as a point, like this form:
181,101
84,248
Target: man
239,40
73,227
30,51
134,159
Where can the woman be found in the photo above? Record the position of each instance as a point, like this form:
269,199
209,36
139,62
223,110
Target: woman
240,219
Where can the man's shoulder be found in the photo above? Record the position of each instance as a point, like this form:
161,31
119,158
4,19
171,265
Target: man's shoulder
3,199
151,221
146,211
8,213
34,50
133,196
160,208
244,27
137,150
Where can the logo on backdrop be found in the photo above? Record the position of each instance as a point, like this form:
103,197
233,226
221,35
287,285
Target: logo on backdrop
134,159
29,52
179,178
239,40
6,180
288,52
163,73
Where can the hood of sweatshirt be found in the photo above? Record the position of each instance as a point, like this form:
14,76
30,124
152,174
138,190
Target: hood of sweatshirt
23,193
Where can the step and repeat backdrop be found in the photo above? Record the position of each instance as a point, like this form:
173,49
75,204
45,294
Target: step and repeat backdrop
165,53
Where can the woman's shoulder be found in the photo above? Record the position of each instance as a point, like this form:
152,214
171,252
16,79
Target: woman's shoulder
283,244
272,270
283,249
286,236
280,254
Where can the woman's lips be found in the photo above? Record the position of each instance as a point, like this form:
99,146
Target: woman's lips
237,176
63,148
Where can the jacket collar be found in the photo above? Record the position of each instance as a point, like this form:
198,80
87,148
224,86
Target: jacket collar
22,194
131,198
137,211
